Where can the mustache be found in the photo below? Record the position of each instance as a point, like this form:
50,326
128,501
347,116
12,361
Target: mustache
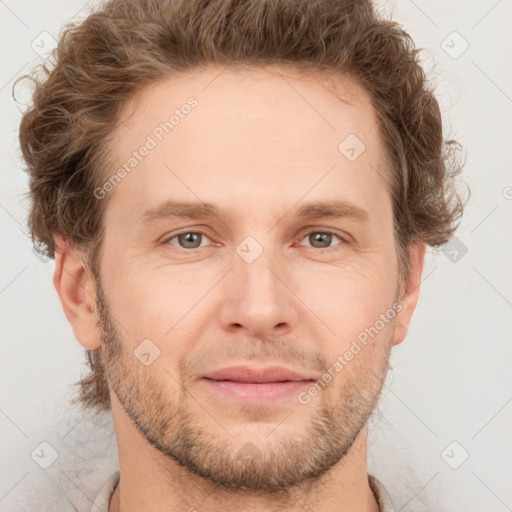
275,350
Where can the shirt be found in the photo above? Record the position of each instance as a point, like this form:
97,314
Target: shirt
102,501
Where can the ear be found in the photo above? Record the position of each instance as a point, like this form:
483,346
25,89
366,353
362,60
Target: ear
77,292
409,292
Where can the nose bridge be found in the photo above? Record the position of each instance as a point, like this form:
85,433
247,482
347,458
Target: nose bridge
255,268
257,298
258,277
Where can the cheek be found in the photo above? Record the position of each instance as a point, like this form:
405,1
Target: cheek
160,302
356,291
154,302
355,302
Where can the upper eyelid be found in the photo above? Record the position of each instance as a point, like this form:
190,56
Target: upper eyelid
309,230
166,239
303,233
343,240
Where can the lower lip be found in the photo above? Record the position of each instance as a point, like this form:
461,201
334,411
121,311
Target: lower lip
257,392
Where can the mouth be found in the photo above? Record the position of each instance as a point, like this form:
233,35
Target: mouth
256,385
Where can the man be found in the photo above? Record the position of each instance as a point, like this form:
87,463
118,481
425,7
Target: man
238,197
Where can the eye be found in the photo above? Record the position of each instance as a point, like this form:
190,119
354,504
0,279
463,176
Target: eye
317,239
322,239
188,239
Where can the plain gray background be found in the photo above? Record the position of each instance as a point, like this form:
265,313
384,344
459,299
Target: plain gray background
440,439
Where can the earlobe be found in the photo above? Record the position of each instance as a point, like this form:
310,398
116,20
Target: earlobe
77,292
409,293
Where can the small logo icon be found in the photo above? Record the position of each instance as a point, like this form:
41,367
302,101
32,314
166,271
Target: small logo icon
146,352
454,45
249,249
43,44
351,147
248,454
454,455
454,249
44,455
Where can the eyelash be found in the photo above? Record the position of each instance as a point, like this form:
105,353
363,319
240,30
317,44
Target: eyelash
324,231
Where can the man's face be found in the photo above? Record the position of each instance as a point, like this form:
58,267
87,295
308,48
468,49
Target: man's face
224,297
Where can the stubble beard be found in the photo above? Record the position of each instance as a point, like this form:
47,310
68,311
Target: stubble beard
182,432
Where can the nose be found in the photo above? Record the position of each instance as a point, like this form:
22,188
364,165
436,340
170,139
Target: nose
258,300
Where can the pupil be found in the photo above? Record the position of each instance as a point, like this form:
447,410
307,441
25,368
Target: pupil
324,239
189,240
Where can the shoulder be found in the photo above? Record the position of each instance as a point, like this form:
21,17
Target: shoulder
102,500
381,495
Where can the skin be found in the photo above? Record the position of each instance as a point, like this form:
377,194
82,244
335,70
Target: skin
182,445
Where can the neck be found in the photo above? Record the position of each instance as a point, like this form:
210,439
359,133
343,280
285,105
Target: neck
152,482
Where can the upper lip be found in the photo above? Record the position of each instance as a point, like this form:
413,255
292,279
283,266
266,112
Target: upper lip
256,375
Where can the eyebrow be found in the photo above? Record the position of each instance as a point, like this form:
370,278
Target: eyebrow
180,209
333,209
201,210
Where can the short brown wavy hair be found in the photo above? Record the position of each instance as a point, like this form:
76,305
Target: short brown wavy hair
122,46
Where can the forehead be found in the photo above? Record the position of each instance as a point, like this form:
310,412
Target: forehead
255,131
325,103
